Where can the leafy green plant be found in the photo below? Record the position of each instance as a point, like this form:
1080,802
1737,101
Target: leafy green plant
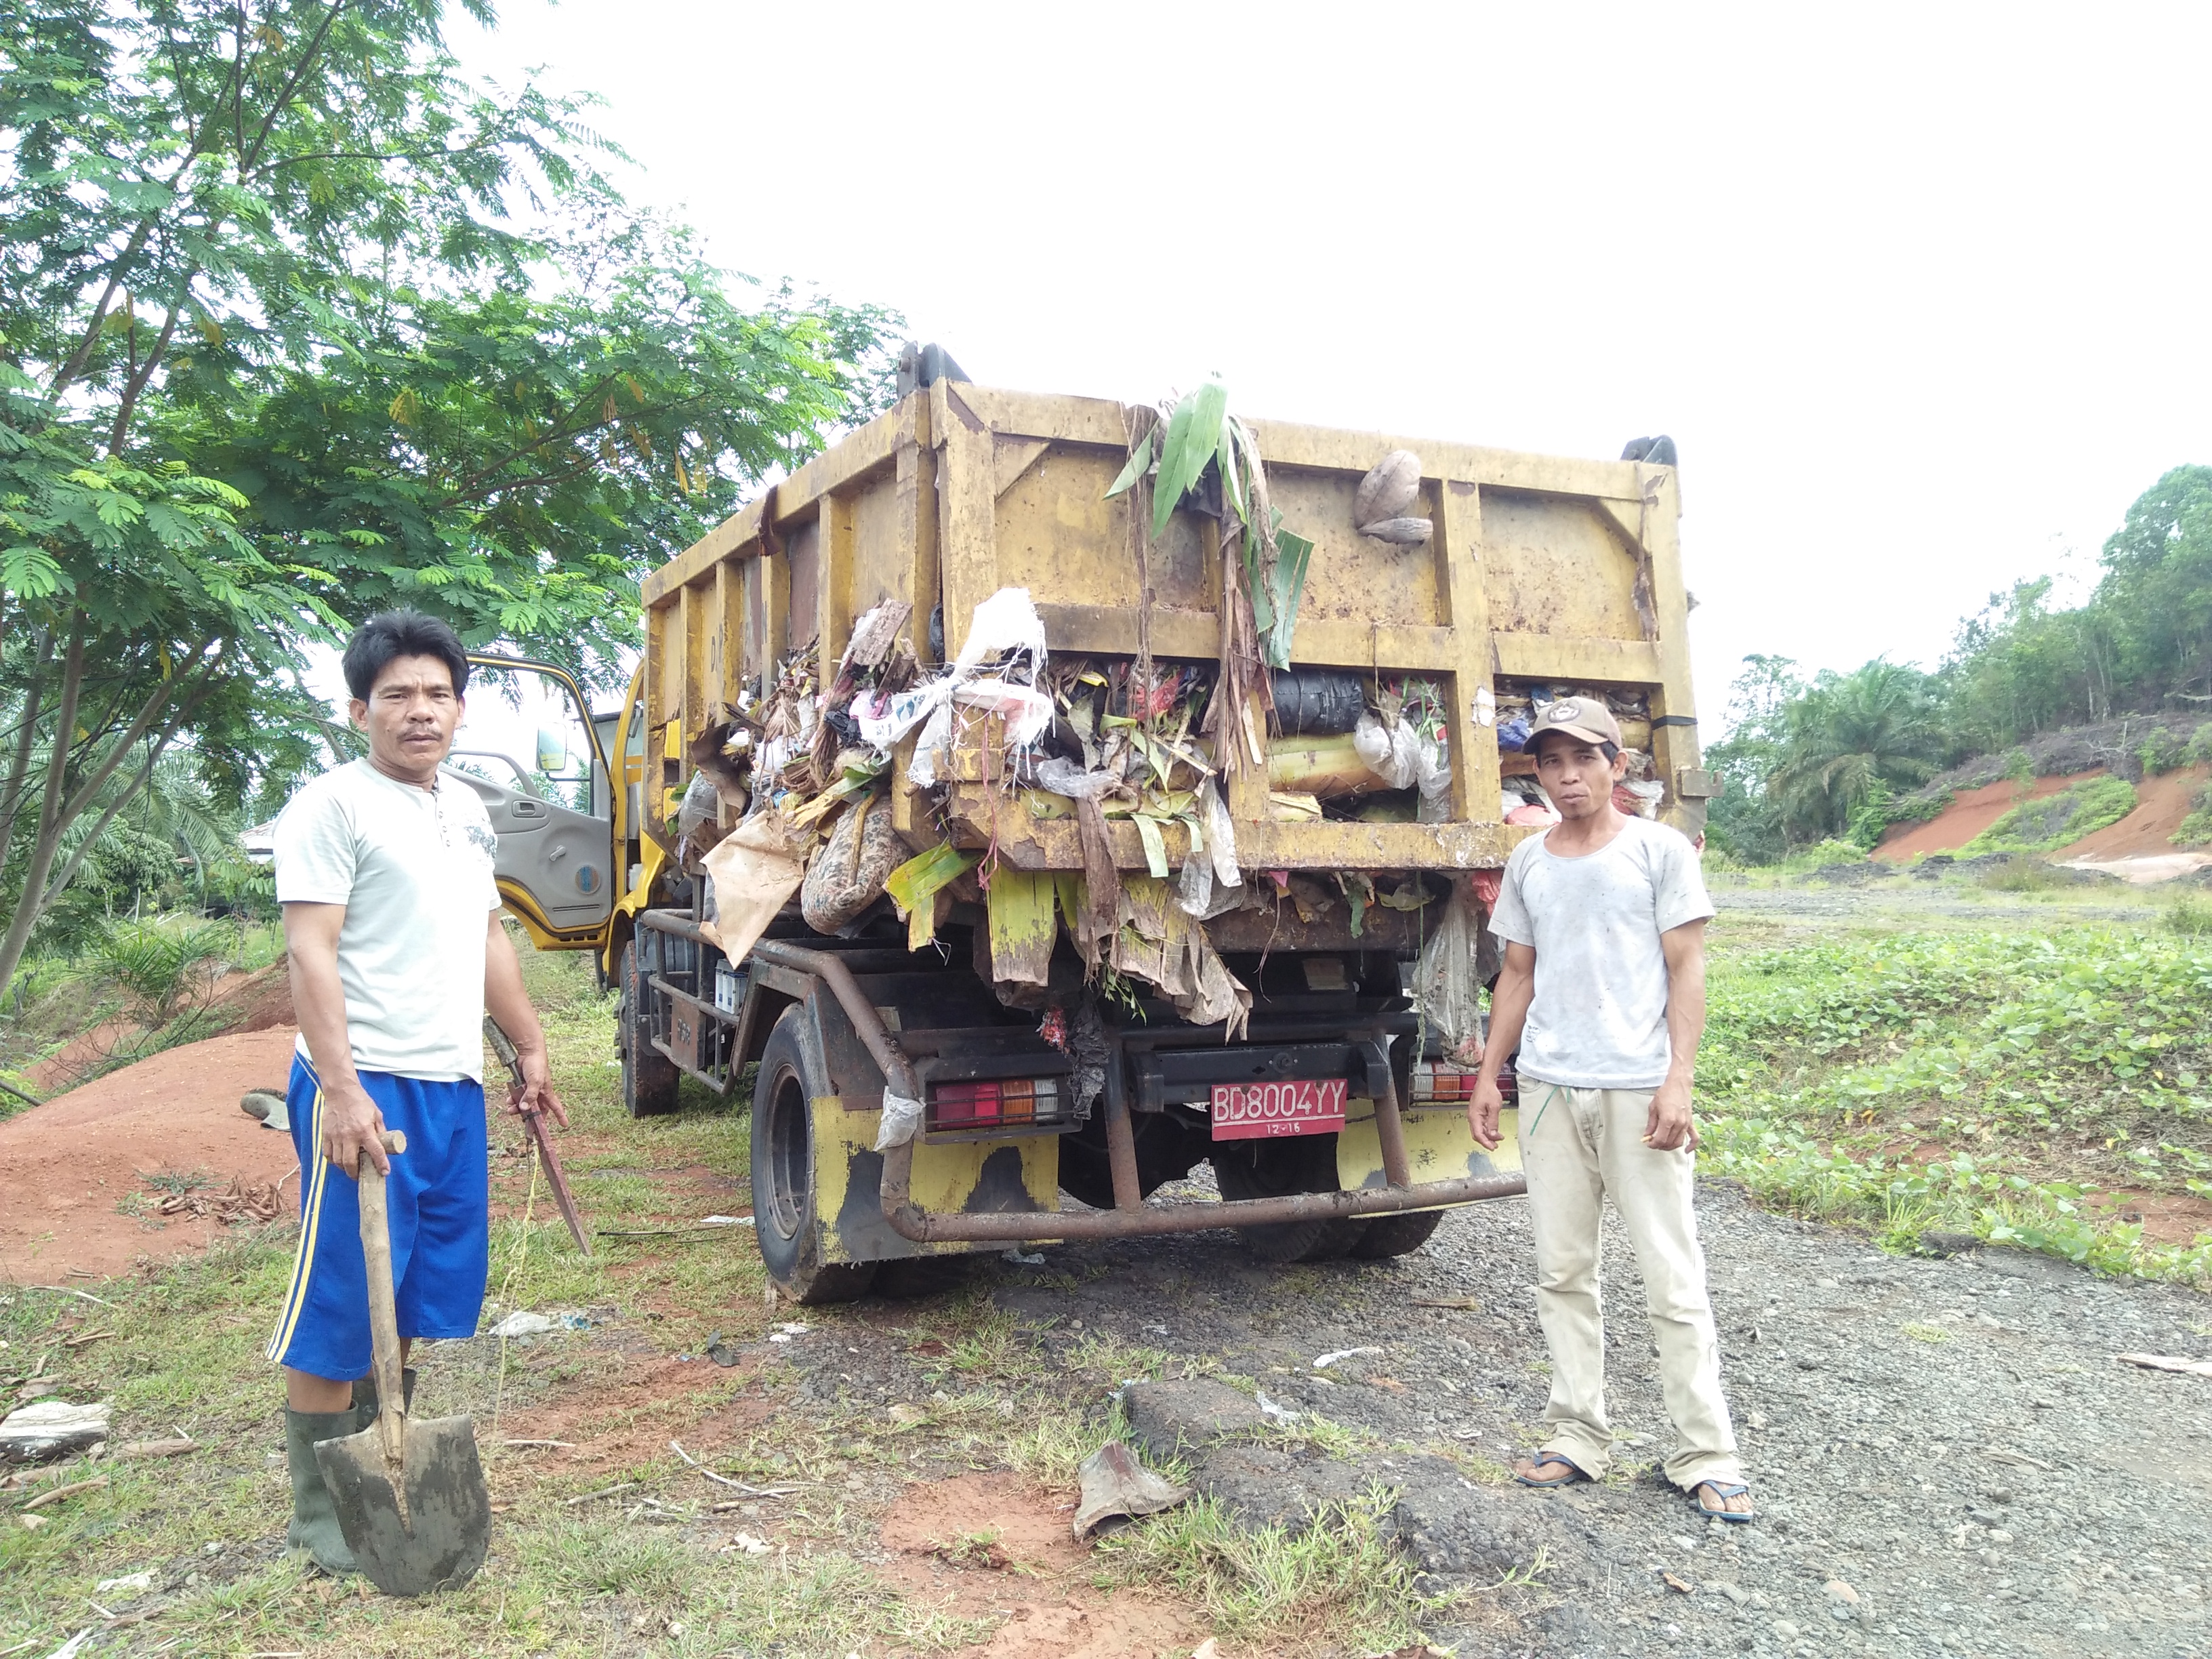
2056,820
2162,750
161,965
2023,872
2195,830
2190,917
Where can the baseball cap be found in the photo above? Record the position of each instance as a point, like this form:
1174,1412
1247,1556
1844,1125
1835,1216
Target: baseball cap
1587,718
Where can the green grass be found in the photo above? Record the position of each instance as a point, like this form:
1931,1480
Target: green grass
2006,1084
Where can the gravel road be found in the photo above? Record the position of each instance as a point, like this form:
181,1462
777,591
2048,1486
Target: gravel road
1950,1459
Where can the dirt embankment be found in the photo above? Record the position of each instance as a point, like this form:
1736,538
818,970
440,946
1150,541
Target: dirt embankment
66,1166
1970,813
237,1003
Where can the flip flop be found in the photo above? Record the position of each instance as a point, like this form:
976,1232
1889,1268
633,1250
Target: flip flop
1574,1472
1723,1490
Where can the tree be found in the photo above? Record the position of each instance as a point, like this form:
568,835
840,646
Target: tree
293,324
1744,821
1848,738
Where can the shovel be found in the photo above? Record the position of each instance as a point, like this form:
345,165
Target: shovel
410,1495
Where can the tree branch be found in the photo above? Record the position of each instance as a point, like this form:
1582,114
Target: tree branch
143,373
246,161
100,773
19,764
160,745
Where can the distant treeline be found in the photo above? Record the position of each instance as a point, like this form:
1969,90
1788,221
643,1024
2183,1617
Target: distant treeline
1836,755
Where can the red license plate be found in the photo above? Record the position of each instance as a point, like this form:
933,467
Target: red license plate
1246,1111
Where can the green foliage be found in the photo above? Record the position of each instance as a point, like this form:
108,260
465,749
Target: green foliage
2190,917
1926,1080
2023,872
2058,820
295,324
160,965
2195,830
2163,751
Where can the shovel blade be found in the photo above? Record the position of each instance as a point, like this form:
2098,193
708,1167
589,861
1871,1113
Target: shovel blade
442,1542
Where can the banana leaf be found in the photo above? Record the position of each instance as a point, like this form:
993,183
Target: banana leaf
1156,845
1140,459
1194,437
915,886
1288,581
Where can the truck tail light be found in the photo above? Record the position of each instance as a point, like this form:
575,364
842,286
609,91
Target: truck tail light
1015,1102
1437,1086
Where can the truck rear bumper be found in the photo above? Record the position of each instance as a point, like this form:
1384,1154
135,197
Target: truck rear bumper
1131,1217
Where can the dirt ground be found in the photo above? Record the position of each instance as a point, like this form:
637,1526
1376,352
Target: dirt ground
241,1003
1971,811
66,1166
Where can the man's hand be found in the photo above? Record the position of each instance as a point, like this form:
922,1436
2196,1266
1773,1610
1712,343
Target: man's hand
535,1092
351,1124
1669,1125
1482,1113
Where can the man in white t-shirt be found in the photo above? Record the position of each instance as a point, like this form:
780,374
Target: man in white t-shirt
383,868
1603,993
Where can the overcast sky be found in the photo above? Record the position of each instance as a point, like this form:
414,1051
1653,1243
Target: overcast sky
1918,290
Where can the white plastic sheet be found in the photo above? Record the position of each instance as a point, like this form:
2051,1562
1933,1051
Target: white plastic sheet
902,1120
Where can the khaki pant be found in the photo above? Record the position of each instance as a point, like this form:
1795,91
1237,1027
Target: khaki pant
1579,1146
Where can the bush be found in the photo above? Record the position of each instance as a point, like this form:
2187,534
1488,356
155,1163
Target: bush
160,965
2196,829
2200,744
2163,751
2023,872
2056,820
2190,917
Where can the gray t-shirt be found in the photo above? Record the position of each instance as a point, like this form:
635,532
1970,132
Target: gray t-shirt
1599,1019
414,872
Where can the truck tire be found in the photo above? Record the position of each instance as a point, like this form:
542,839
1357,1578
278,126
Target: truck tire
649,1078
784,1214
1397,1235
1274,1168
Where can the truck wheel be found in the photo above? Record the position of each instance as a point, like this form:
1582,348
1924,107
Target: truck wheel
1397,1235
1274,1168
648,1077
784,1214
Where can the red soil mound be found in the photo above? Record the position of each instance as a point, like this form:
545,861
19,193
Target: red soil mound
1971,811
66,1165
238,1002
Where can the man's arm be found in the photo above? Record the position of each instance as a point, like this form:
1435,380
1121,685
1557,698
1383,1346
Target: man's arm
509,1004
1671,1125
351,1123
1509,1011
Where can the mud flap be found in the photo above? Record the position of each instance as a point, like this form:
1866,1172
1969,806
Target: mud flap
1439,1146
969,1176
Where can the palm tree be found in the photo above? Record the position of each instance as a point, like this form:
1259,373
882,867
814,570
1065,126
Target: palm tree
1849,739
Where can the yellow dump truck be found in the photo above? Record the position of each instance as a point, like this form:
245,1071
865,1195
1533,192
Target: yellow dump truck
1044,812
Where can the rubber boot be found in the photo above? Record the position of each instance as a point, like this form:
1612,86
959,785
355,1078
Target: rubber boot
365,1402
314,1526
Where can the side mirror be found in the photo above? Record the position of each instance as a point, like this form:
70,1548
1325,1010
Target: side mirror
552,750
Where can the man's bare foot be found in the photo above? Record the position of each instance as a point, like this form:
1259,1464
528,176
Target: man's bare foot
1547,1468
1729,1499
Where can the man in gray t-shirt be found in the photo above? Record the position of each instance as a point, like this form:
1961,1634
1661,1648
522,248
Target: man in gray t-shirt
1603,993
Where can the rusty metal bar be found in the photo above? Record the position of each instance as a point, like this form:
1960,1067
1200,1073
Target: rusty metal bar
1389,1127
890,1058
1014,1227
1122,1152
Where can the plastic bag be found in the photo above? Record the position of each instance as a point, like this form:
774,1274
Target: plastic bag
848,874
700,804
901,713
932,748
1448,988
1061,777
902,1117
1027,711
1005,624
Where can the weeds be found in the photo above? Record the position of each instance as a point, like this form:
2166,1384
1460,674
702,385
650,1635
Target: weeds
1339,1578
2190,917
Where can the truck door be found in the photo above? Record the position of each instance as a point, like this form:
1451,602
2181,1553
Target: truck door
530,750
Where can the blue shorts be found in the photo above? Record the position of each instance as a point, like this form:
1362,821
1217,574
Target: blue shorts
439,1197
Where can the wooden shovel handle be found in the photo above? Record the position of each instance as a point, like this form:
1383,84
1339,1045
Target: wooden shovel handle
383,1314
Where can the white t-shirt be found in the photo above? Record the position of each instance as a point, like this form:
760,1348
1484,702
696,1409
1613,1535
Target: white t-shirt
414,870
1599,1019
